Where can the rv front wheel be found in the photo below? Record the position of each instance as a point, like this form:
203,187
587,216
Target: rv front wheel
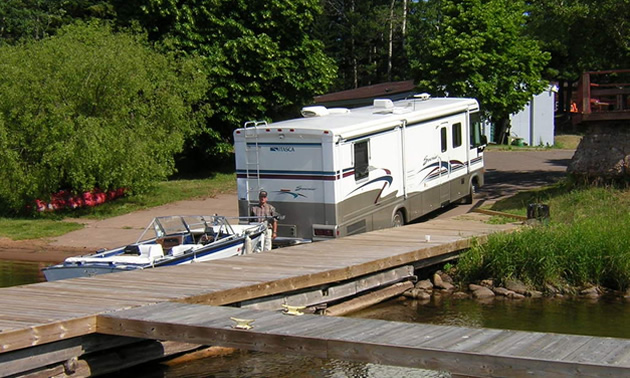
398,220
471,193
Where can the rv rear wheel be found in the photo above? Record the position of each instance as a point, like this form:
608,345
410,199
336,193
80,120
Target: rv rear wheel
398,220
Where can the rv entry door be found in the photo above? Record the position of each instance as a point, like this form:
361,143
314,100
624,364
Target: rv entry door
445,191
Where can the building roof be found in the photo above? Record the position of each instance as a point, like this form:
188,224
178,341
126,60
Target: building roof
362,96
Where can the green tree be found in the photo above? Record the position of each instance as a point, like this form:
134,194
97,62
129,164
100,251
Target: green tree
259,55
477,48
91,108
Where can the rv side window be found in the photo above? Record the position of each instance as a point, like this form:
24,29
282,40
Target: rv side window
457,135
361,160
443,138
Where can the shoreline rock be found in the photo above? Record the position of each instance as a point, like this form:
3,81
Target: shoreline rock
441,285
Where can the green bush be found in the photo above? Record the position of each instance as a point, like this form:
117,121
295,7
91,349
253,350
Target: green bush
91,108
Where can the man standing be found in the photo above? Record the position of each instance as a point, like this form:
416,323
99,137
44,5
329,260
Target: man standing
266,213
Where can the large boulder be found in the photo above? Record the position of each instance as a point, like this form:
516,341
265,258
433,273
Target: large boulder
516,286
425,285
482,293
417,294
502,291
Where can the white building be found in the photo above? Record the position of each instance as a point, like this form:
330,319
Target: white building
534,124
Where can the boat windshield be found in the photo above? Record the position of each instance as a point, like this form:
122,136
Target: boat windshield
173,225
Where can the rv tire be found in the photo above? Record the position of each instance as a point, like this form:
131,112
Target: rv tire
399,219
468,200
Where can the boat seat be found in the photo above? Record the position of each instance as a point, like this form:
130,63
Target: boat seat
180,249
151,251
168,242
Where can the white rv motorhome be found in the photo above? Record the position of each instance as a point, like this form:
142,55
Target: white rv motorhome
338,172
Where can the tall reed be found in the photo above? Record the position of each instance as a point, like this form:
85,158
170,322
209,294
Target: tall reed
586,242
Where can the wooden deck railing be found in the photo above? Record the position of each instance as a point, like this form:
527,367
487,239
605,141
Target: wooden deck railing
603,96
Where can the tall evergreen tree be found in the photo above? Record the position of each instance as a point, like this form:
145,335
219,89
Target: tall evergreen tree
366,40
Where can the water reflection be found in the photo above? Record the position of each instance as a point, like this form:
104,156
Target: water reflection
261,365
603,317
13,273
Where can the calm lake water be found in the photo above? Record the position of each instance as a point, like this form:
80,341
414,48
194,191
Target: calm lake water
14,273
606,317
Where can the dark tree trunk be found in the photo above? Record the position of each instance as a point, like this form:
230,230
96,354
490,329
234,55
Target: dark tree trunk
501,130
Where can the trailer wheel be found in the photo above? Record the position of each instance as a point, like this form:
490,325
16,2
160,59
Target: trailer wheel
398,220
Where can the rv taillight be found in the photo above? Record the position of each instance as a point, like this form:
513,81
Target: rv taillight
330,233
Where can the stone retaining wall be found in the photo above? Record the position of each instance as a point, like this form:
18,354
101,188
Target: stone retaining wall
603,154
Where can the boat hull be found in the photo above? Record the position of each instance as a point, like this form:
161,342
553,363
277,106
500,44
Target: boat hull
59,272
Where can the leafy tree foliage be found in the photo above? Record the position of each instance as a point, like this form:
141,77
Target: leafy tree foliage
477,48
582,35
91,108
259,54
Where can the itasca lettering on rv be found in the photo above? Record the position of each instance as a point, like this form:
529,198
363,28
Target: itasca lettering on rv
282,149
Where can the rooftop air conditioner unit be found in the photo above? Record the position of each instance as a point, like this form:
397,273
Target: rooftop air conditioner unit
314,111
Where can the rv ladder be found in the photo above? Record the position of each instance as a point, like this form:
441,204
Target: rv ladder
252,160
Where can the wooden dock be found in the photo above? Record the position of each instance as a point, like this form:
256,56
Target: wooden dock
50,320
459,350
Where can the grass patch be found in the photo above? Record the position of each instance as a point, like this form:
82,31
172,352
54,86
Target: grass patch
51,225
565,141
509,147
161,194
518,203
585,242
24,229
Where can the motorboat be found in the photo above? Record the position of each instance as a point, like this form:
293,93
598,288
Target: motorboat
166,241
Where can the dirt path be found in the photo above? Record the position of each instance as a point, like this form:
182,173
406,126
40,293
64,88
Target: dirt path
506,174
